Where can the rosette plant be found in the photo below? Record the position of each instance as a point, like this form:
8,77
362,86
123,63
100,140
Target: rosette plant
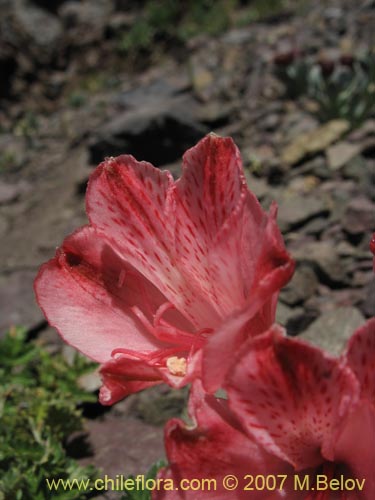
292,410
169,279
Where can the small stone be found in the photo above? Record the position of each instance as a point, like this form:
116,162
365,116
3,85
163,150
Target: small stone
90,381
341,154
357,169
295,209
323,256
332,329
215,113
257,158
313,142
85,22
33,31
10,192
285,313
17,301
257,185
359,216
368,305
202,80
302,286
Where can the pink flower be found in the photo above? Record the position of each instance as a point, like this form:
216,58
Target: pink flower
315,412
167,271
214,447
292,411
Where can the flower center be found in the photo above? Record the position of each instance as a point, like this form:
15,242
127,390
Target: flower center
177,366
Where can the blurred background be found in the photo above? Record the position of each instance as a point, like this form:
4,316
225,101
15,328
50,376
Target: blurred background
293,82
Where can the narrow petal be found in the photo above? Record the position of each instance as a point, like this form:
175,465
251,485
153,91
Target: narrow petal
290,397
360,357
122,377
355,447
212,449
87,293
272,270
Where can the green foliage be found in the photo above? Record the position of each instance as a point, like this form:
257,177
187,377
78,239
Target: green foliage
144,494
77,99
7,160
175,21
340,90
348,93
295,77
38,412
27,126
260,9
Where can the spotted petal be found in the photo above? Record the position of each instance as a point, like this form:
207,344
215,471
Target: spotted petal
131,204
360,356
88,293
291,397
212,449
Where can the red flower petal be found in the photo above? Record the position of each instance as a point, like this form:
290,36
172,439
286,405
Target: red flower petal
291,397
360,357
123,377
355,447
272,268
87,293
131,204
212,449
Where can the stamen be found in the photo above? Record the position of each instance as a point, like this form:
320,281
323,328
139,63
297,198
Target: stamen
128,352
142,318
161,310
177,366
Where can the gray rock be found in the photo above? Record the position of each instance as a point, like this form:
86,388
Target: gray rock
32,31
323,256
4,224
159,134
332,329
316,226
17,303
302,286
357,169
258,186
123,445
85,21
341,154
359,216
295,209
10,192
151,94
368,305
313,142
285,313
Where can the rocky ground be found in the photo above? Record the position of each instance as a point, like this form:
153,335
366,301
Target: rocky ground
67,101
